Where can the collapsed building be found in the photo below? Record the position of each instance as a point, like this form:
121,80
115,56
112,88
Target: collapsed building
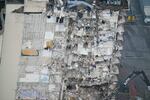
69,52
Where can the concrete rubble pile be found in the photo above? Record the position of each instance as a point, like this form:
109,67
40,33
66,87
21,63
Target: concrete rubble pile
72,57
94,45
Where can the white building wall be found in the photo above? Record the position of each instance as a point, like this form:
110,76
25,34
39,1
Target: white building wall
10,53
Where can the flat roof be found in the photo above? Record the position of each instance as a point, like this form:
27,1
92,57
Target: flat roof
34,6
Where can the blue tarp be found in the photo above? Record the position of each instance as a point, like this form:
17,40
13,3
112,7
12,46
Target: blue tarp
73,3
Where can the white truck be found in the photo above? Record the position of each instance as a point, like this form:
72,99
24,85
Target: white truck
145,6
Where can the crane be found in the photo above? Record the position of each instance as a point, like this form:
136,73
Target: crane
130,77
135,74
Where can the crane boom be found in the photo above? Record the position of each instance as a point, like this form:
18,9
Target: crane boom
129,78
135,74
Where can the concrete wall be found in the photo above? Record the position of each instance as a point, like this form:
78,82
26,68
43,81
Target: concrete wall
10,53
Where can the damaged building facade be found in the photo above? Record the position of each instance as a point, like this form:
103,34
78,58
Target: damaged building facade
70,51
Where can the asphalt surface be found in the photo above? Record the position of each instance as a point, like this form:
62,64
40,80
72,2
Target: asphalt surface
136,52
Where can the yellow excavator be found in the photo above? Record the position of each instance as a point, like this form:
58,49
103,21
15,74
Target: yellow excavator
131,18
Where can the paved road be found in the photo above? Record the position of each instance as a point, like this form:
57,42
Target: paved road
136,53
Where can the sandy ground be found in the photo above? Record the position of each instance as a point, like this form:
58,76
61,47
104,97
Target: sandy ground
10,53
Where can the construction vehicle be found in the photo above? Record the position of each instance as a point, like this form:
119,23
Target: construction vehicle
133,75
131,17
145,6
130,14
